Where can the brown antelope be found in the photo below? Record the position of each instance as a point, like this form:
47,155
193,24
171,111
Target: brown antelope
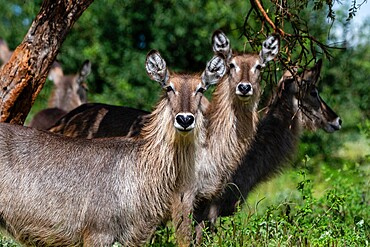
56,190
5,52
231,122
69,92
296,105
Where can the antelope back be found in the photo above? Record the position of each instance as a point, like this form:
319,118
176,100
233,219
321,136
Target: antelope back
69,91
314,112
45,119
94,120
245,69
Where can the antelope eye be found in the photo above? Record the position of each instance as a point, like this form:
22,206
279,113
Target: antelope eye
200,90
170,89
232,66
314,93
259,66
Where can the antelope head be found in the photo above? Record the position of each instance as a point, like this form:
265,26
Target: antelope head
69,91
314,112
245,69
184,92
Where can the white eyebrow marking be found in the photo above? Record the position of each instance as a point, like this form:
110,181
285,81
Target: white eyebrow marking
237,68
254,68
173,88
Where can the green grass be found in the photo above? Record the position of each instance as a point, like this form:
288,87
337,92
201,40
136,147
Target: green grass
295,210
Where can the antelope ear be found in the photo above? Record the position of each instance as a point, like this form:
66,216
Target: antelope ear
55,72
270,49
86,68
312,75
215,69
221,44
84,71
156,68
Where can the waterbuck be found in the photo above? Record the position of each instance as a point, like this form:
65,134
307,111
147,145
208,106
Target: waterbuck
69,92
231,122
296,105
62,191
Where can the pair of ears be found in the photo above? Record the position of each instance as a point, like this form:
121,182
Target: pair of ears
216,68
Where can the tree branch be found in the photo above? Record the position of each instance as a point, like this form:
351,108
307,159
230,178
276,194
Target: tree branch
23,77
268,20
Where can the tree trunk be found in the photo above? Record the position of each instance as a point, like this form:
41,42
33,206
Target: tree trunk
24,75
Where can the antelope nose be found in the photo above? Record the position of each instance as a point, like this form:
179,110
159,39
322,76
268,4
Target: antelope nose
334,125
337,124
184,121
245,88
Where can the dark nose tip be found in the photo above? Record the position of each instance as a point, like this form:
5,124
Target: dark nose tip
340,121
185,120
244,88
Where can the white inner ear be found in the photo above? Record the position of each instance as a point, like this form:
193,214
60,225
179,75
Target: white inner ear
270,48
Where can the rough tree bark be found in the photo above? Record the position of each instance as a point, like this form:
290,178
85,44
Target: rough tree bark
23,77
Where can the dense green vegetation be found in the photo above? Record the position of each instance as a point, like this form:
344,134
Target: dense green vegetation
324,198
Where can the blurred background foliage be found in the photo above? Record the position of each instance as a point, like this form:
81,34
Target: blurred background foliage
116,36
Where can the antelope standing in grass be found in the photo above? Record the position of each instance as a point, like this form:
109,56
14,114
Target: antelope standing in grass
296,105
231,122
69,92
61,191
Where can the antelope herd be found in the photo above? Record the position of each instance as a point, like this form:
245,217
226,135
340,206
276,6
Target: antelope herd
93,174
